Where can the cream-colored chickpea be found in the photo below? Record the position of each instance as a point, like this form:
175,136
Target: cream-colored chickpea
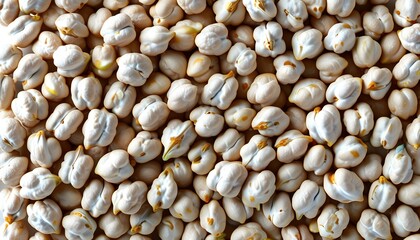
118,30
387,132
406,71
229,143
377,82
71,27
403,97
291,145
155,40
14,206
279,210
324,23
229,12
330,66
212,40
46,44
213,218
12,134
236,210
166,13
114,225
24,30
308,93
307,43
392,49
342,8
30,107
406,13
186,206
378,21
7,91
145,220
366,52
138,15
10,56
288,69
9,10
270,121
103,60
97,19
163,191
324,124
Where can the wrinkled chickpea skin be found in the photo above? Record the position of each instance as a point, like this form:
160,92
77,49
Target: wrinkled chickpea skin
204,119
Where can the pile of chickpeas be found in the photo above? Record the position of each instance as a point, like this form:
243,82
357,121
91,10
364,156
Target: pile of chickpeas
210,119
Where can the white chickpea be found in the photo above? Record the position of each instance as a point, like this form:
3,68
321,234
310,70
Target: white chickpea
96,20
99,128
392,50
349,152
115,166
386,133
129,197
405,71
120,98
192,7
257,153
145,220
76,168
134,69
10,56
318,159
64,121
243,58
208,121
378,21
163,191
97,197
12,134
138,15
272,231
332,221
270,121
411,133
227,178
366,52
279,210
229,12
182,95
249,230
344,186
308,93
220,90
288,69
307,43
145,147
186,206
382,195
291,14
370,169
71,27
38,184
404,221
45,216
166,13
24,30
44,151
118,30
406,13
408,193
398,166
78,224
269,39
236,210
155,40
244,34
7,91
308,199
46,44
15,231
213,218
330,66
291,145
290,176
114,226
151,113
14,206
70,60
185,33
373,225
403,97
9,10
229,143
54,87
324,124
212,40
360,120
264,90
86,92
30,107
201,67
342,8
340,38
177,137
377,82
70,6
